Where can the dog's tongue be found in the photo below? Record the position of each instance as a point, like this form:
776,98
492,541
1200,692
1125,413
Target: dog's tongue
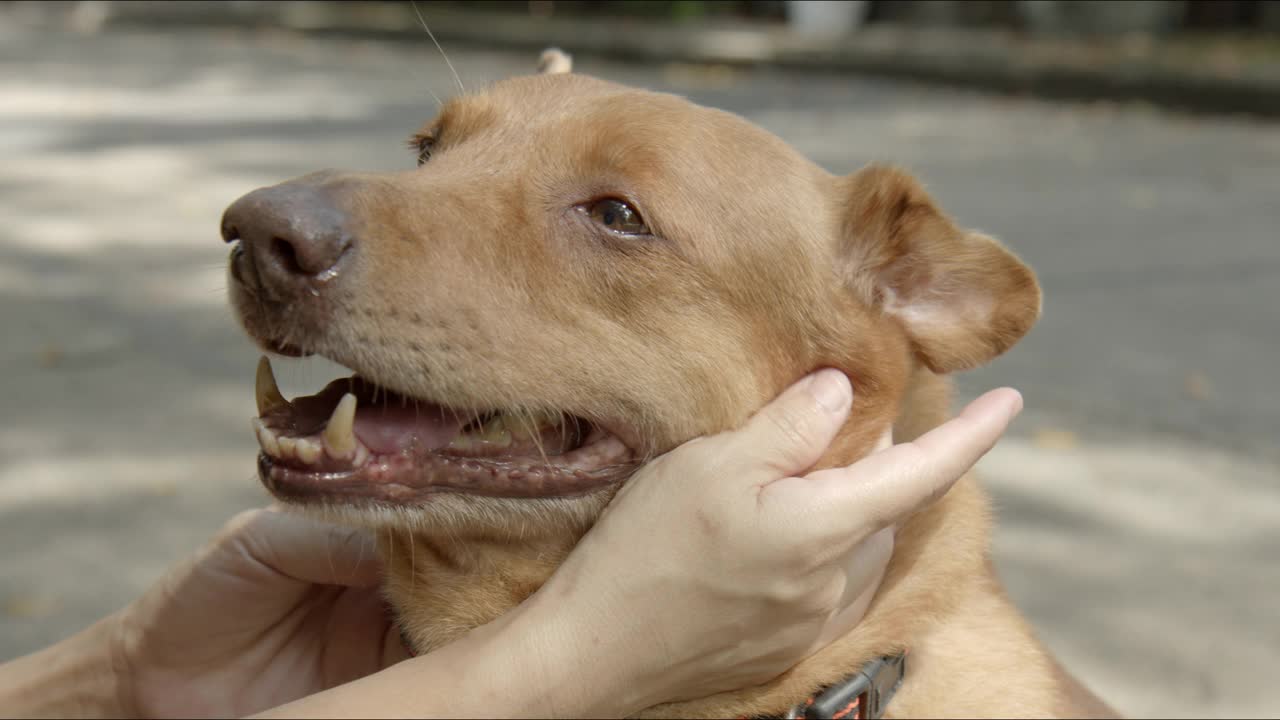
385,422
391,428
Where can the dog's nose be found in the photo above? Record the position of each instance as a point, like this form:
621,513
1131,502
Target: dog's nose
292,232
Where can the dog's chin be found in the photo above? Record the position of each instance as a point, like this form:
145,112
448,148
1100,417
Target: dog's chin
361,450
461,517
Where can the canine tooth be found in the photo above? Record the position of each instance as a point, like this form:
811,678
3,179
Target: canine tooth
288,447
339,434
266,438
265,389
308,450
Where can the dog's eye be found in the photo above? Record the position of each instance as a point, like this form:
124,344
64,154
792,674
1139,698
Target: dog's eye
424,149
618,217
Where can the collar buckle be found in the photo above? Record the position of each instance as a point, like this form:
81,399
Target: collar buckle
861,696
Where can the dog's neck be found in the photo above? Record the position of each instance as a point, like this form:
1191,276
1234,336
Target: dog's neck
442,587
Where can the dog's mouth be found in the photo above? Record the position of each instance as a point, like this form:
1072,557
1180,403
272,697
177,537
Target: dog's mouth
357,442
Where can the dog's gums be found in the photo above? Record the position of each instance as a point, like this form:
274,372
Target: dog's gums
357,442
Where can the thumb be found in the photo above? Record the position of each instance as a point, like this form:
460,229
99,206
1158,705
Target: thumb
887,486
789,434
304,549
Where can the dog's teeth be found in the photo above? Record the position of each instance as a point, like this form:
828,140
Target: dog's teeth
288,446
464,442
266,438
339,434
547,418
308,451
265,389
495,432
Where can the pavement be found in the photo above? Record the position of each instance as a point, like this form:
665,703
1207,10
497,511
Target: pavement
1139,494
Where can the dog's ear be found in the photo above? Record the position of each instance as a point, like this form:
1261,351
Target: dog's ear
961,296
554,61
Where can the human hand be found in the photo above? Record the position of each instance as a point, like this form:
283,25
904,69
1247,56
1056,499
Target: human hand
760,565
275,608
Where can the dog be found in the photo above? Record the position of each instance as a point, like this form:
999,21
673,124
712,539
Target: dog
579,276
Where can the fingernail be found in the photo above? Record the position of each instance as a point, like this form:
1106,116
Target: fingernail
832,390
1017,405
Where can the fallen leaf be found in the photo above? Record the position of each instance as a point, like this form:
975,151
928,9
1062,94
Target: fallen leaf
50,356
163,488
30,606
1197,386
691,75
1055,439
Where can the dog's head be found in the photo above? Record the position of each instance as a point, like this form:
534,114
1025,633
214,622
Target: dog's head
579,275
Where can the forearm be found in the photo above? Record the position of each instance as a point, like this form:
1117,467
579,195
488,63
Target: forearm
529,663
78,677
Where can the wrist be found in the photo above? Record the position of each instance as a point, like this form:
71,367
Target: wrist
546,658
589,663
82,676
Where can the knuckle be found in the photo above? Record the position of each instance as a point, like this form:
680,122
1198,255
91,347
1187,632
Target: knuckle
827,595
240,523
348,541
788,428
790,437
804,598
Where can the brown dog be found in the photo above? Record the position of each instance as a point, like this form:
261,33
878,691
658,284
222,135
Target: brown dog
581,275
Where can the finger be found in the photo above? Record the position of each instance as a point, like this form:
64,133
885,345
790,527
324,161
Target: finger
307,550
864,563
356,635
393,647
885,441
887,486
791,433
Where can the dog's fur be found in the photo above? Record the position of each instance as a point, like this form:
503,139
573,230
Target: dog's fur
478,284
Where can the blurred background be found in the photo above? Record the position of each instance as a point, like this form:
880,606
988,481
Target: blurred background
1128,150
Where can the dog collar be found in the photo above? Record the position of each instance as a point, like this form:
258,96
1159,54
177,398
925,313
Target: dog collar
861,696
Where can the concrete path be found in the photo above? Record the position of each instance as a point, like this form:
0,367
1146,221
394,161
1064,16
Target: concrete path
1139,494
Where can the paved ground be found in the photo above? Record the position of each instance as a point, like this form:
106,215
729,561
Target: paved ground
1139,494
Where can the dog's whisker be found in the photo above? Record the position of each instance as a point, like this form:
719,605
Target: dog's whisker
413,564
360,558
391,547
444,55
328,553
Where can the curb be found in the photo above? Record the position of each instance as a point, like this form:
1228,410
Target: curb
990,60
